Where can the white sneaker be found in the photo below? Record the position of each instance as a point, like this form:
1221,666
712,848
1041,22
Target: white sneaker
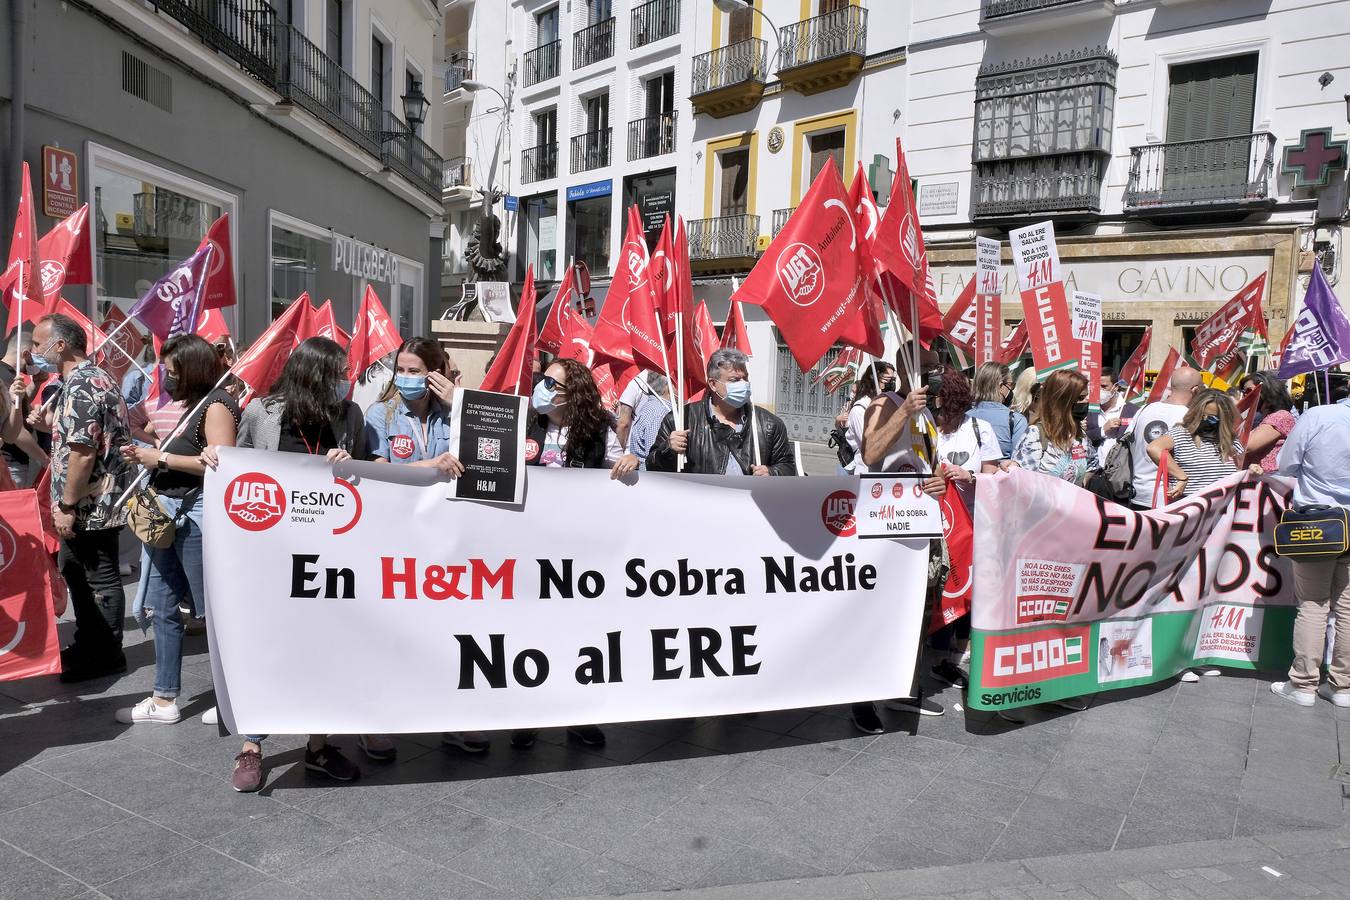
1190,676
1340,698
148,712
211,716
1209,671
1292,694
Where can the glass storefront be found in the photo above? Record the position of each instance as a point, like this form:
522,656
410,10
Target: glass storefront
654,196
302,262
145,219
588,237
539,237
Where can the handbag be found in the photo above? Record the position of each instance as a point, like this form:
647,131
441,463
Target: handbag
1311,532
148,520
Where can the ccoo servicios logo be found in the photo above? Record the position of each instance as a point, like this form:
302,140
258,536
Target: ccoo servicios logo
255,501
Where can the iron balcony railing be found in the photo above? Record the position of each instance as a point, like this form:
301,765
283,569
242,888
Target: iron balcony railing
1207,172
651,136
243,30
592,44
780,219
1064,183
410,156
311,80
993,9
541,63
590,150
726,237
458,68
654,21
733,64
539,163
457,173
838,33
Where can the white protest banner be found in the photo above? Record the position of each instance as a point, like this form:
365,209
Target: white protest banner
988,301
1044,303
1075,595
1087,328
894,505
376,606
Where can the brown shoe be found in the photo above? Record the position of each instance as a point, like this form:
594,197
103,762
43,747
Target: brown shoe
248,776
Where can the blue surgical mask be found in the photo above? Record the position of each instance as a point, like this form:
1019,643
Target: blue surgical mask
39,363
411,387
738,393
542,398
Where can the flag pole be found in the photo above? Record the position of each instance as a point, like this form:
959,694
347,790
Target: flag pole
679,368
177,430
754,434
18,333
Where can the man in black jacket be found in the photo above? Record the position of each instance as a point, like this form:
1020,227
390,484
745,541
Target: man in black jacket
717,437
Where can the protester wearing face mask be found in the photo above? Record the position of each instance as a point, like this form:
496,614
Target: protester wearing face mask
1203,448
1054,443
1115,412
410,424
88,475
965,444
993,394
21,451
307,412
173,576
725,434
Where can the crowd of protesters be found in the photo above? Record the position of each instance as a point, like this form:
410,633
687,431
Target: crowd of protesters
101,437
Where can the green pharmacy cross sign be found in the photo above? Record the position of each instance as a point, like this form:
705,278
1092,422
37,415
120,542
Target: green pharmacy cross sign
1312,160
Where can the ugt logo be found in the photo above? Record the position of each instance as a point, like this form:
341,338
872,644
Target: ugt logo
801,274
255,501
837,513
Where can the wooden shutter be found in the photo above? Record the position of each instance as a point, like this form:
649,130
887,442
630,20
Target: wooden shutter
829,6
1211,99
823,147
741,26
735,181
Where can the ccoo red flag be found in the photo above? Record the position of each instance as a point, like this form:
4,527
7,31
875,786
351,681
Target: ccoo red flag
511,370
374,336
961,322
219,289
810,280
260,365
1217,336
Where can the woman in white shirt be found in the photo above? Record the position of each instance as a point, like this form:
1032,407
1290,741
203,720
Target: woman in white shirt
864,391
966,444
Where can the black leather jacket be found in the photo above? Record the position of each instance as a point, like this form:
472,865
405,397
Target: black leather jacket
710,442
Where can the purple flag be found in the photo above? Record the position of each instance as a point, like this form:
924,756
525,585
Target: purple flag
1321,331
173,304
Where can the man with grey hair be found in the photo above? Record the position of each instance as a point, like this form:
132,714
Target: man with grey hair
724,434
88,476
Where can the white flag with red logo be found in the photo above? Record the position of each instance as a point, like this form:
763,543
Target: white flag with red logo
1045,305
810,281
1217,336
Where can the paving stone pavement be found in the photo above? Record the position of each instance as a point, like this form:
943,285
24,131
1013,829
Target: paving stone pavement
1153,792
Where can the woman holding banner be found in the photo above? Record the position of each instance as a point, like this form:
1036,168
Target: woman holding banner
1055,443
173,575
307,412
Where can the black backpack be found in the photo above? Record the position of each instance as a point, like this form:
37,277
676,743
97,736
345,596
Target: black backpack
1114,481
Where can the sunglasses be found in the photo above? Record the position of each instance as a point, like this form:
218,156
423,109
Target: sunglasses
553,384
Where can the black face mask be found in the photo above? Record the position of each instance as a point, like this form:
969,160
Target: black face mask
933,381
170,384
1080,412
1209,425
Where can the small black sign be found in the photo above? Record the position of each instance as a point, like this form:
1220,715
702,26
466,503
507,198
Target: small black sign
488,434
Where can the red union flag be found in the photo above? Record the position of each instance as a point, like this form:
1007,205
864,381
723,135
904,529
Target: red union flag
25,258
374,336
628,329
1133,372
555,326
511,370
810,281
988,301
219,288
1216,336
1044,303
64,253
959,533
899,247
28,641
959,322
1014,346
576,341
261,364
324,324
212,327
1164,379
734,333
1248,408
126,339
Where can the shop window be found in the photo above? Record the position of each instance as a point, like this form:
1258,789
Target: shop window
589,233
540,237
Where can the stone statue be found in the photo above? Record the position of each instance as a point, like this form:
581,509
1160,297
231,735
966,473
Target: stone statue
484,250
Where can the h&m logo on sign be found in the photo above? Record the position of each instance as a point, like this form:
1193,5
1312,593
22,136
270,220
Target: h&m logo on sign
1031,656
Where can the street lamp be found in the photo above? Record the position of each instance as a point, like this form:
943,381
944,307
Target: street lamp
1347,107
731,6
474,86
415,105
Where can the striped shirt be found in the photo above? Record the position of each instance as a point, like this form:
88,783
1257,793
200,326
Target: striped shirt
1202,464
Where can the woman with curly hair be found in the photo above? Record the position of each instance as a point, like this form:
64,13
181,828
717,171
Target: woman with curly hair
1277,420
572,428
966,444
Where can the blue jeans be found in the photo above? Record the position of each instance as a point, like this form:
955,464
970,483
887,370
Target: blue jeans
175,578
